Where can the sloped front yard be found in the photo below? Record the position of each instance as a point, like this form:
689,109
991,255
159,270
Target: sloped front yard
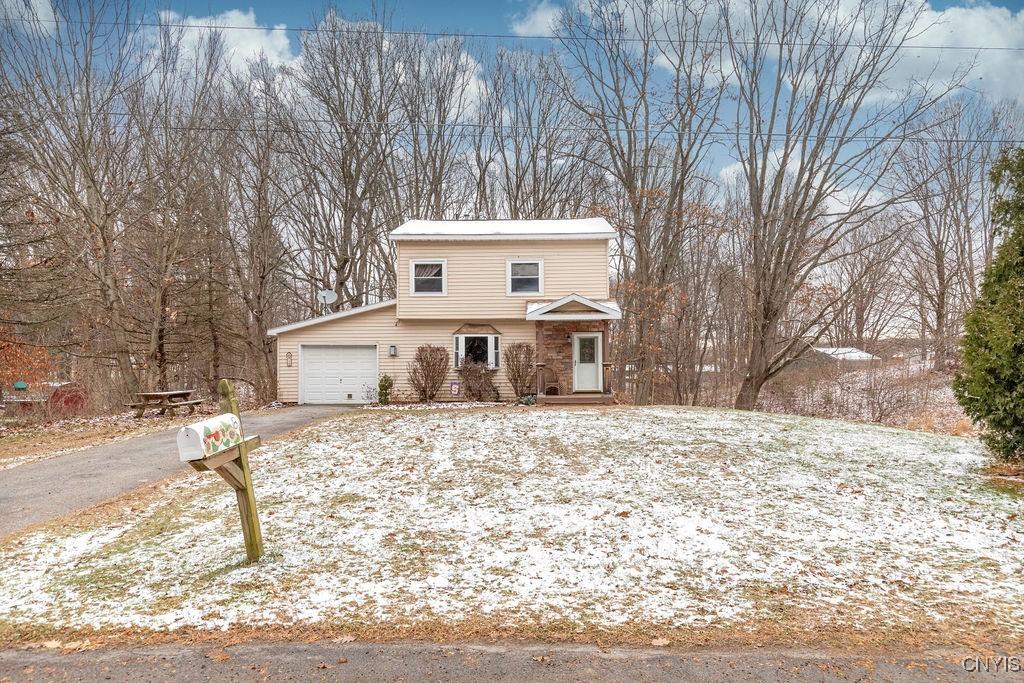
611,524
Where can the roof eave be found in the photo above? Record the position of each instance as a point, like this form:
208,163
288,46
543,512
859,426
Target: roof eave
598,310
574,316
273,332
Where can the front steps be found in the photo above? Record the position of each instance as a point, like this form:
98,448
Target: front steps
583,398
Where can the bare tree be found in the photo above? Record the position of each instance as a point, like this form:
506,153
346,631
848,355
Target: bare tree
650,89
530,160
436,100
871,277
944,172
173,108
340,126
68,87
253,236
817,125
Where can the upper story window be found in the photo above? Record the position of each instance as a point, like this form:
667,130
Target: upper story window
525,276
428,278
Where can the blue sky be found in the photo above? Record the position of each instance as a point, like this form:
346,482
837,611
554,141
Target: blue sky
476,16
960,23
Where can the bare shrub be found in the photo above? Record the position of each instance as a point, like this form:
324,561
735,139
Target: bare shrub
886,396
519,368
479,381
427,371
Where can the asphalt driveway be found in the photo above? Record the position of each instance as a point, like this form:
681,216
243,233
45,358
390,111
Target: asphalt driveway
38,491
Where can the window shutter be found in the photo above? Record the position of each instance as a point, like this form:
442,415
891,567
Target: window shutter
456,351
496,348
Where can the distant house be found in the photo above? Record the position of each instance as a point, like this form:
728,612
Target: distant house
472,287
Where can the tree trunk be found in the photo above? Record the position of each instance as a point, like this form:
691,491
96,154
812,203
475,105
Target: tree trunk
749,391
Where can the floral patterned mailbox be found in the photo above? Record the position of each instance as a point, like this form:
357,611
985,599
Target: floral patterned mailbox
209,437
220,445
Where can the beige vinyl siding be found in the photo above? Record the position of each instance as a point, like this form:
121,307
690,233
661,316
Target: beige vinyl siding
476,287
379,327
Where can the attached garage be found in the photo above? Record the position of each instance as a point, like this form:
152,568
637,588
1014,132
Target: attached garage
337,373
338,358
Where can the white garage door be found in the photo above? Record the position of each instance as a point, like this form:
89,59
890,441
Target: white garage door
338,374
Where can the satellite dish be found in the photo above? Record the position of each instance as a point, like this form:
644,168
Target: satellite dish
326,297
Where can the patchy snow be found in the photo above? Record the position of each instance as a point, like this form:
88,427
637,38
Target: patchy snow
435,405
851,353
8,463
602,517
903,395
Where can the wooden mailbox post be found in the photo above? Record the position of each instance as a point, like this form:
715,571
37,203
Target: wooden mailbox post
218,444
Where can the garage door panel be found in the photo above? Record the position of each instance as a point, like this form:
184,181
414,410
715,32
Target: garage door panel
337,374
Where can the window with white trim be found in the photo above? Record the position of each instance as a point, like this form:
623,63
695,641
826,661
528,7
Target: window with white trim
525,276
481,348
428,277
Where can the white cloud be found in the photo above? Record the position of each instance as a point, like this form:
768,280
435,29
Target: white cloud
539,20
995,72
37,14
246,42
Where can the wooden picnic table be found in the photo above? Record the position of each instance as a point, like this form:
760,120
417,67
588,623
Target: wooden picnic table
164,400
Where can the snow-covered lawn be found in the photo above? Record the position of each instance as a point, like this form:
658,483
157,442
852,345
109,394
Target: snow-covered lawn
593,519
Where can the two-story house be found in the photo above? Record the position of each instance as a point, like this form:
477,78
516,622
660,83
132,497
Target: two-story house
471,287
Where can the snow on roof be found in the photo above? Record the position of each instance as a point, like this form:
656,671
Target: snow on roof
575,228
845,353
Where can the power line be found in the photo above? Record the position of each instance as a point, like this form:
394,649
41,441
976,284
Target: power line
493,36
498,128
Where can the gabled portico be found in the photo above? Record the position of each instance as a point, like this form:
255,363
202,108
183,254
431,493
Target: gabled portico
572,348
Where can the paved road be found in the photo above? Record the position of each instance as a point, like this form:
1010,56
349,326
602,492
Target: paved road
45,489
467,662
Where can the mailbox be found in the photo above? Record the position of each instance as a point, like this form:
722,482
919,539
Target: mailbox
209,437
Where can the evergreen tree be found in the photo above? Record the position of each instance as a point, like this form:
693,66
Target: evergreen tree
990,386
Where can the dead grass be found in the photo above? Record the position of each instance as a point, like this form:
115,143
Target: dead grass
1004,469
976,632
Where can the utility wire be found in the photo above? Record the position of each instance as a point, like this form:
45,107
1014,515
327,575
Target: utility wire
492,36
498,128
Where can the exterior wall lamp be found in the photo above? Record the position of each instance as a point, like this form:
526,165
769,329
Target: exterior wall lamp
393,351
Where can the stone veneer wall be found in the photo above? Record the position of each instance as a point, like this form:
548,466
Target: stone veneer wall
554,347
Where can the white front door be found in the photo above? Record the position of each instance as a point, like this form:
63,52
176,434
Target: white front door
586,361
338,374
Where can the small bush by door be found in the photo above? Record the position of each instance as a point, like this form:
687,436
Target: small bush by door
519,367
